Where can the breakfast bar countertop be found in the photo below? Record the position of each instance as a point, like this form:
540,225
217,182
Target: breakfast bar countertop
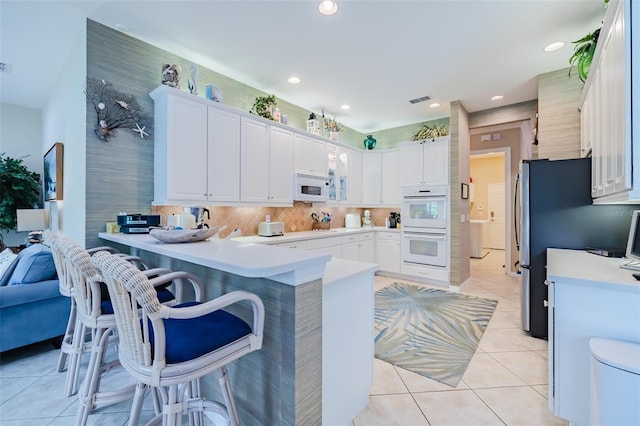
243,258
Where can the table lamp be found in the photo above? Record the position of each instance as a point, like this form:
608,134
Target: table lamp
33,220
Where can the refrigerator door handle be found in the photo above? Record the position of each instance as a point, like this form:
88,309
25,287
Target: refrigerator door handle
515,210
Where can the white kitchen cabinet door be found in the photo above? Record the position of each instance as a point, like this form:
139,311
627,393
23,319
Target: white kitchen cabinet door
367,252
607,121
371,178
354,177
280,165
310,155
183,126
390,176
425,163
223,156
412,164
388,251
351,248
436,162
254,183
318,157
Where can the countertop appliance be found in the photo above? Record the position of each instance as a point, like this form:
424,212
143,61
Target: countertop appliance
270,229
198,214
352,220
137,223
556,211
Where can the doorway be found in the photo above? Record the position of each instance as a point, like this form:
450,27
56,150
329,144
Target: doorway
490,171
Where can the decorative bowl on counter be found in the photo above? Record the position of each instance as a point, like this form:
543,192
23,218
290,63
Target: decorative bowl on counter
183,235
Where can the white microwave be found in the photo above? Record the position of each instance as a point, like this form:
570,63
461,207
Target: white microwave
310,188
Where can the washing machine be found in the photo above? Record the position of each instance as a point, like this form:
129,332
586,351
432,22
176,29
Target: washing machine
615,382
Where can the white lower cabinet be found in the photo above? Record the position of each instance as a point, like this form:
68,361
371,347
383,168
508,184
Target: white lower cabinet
359,247
388,251
300,244
332,246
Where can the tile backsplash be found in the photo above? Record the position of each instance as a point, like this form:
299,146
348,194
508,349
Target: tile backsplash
296,218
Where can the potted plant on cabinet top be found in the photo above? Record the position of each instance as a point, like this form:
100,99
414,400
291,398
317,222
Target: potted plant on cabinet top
583,52
20,189
430,131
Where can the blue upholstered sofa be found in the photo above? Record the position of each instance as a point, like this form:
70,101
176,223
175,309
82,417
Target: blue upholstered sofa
31,306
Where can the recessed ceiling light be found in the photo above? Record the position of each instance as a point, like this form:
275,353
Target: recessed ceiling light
345,107
497,98
434,105
293,80
553,46
328,7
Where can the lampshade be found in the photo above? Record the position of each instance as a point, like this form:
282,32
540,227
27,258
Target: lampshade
32,219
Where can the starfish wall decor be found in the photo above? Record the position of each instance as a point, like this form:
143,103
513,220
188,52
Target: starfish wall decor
115,110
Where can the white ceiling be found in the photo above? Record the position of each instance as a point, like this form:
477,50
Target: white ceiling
372,55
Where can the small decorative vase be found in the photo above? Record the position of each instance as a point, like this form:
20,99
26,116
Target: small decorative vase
369,142
333,136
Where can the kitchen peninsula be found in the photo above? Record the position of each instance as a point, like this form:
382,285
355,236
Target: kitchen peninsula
315,308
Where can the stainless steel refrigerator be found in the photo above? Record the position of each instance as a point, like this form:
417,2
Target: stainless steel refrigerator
556,211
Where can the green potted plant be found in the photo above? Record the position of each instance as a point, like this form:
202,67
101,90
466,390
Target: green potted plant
20,189
263,106
583,52
430,131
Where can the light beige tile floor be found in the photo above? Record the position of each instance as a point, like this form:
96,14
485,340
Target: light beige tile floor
505,383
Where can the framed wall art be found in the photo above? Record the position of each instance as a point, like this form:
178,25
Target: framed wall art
53,172
464,191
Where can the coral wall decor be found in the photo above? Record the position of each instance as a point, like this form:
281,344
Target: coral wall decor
115,110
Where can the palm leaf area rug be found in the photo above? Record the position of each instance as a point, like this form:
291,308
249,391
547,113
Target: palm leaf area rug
431,332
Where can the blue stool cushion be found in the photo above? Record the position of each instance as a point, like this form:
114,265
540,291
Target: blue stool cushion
164,296
188,339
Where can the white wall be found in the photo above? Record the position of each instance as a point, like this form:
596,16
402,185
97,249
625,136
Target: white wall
64,120
21,136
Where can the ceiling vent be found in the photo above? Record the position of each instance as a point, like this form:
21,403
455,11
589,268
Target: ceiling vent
418,100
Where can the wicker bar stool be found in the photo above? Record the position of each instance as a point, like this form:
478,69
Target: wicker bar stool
94,313
70,355
171,348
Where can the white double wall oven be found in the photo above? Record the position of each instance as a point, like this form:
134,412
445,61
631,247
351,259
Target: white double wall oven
425,230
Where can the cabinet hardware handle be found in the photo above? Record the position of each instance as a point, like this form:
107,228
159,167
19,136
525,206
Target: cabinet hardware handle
547,282
545,303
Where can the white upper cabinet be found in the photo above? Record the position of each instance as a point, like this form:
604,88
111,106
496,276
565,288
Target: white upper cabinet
390,192
608,126
267,163
338,171
192,140
255,161
371,178
381,178
223,155
310,155
281,165
425,163
354,178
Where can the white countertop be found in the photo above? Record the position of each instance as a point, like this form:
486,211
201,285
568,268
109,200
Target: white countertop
339,269
306,235
238,257
587,267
